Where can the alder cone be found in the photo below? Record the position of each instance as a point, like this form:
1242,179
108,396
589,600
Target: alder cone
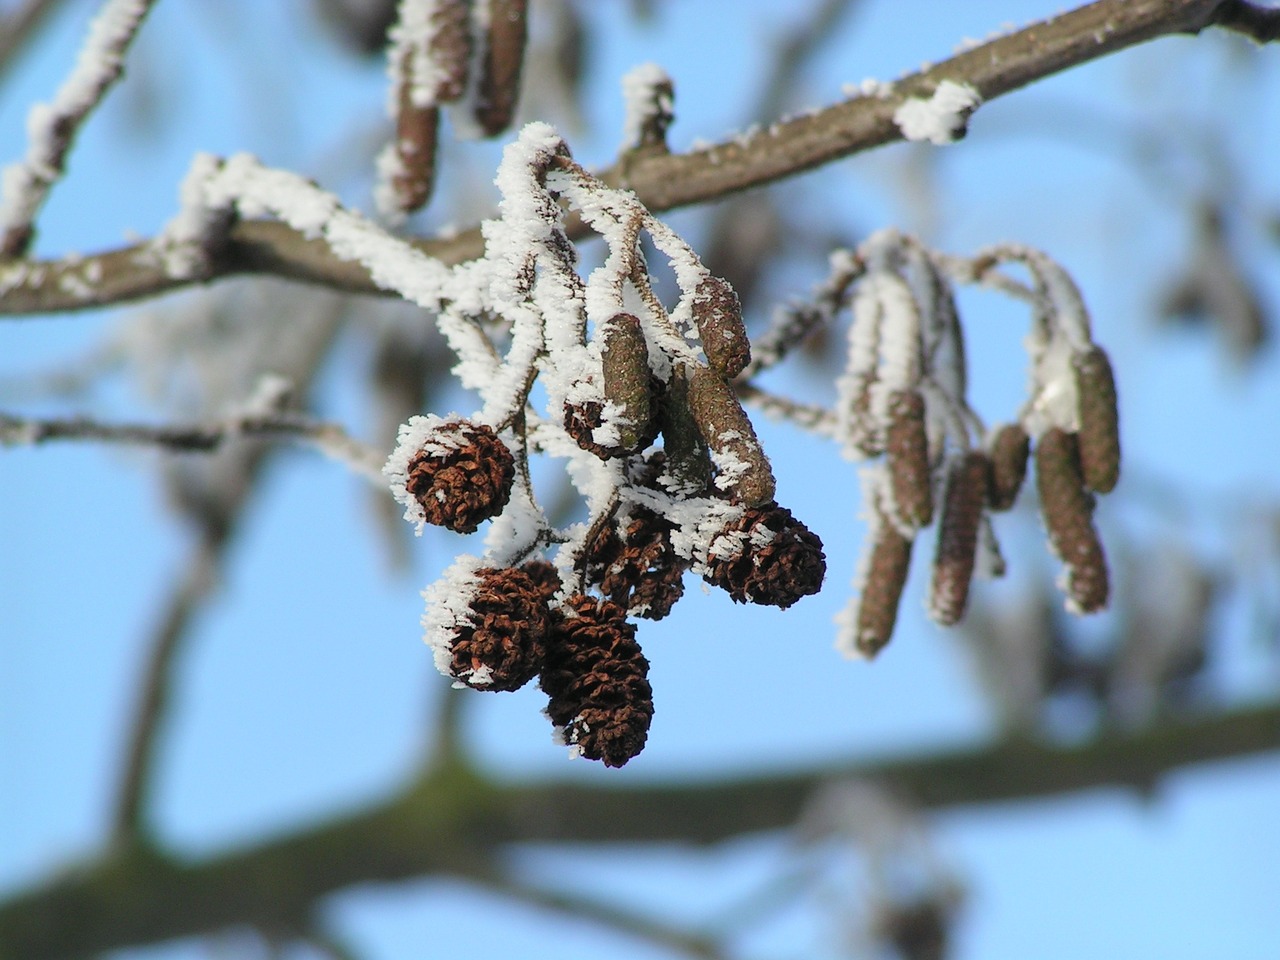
638,568
766,556
502,645
464,478
545,577
597,680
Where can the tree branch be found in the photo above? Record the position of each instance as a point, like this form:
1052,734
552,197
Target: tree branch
452,819
1258,23
661,181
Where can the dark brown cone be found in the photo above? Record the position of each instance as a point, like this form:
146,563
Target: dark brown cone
1008,451
467,483
596,678
907,450
581,420
958,538
503,61
886,575
1099,437
638,570
545,577
503,646
790,565
1067,510
718,315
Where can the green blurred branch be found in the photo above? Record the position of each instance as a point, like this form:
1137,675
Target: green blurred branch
452,822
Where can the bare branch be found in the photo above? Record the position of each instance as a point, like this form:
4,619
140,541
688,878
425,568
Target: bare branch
661,182
448,822
329,438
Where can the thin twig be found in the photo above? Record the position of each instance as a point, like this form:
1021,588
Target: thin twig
18,27
53,126
329,438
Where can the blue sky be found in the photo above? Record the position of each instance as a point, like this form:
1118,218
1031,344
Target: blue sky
305,689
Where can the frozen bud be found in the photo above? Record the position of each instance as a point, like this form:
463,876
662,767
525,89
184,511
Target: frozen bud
500,642
1008,450
907,450
461,476
502,60
958,538
718,315
742,469
766,556
637,567
884,576
624,361
1099,420
1067,510
597,680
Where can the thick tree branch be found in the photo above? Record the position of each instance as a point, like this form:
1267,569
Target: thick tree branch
453,820
662,182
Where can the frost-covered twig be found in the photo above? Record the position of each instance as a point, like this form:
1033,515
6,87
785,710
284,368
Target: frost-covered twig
659,181
328,438
52,126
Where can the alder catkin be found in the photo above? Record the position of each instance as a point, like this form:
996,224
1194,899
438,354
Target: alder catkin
1008,450
907,451
718,316
743,469
502,60
1099,437
1067,510
624,360
953,564
884,578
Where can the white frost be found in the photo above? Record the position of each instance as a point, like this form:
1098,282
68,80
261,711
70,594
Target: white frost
940,119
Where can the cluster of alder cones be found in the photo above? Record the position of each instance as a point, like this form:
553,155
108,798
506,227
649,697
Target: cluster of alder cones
521,622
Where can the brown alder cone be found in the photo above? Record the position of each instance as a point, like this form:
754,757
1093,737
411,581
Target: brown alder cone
1067,510
907,451
1008,451
1099,437
503,60
545,577
729,435
886,575
958,538
770,558
718,315
466,483
502,646
597,680
638,569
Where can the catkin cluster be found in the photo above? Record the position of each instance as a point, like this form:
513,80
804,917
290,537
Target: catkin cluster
930,459
639,399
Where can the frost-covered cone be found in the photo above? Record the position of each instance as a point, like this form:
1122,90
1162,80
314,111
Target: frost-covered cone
638,568
883,578
583,419
958,538
500,641
718,315
1067,510
907,451
452,473
1008,451
1099,436
596,678
766,556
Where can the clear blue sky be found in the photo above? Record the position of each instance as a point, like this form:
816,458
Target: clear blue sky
305,688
